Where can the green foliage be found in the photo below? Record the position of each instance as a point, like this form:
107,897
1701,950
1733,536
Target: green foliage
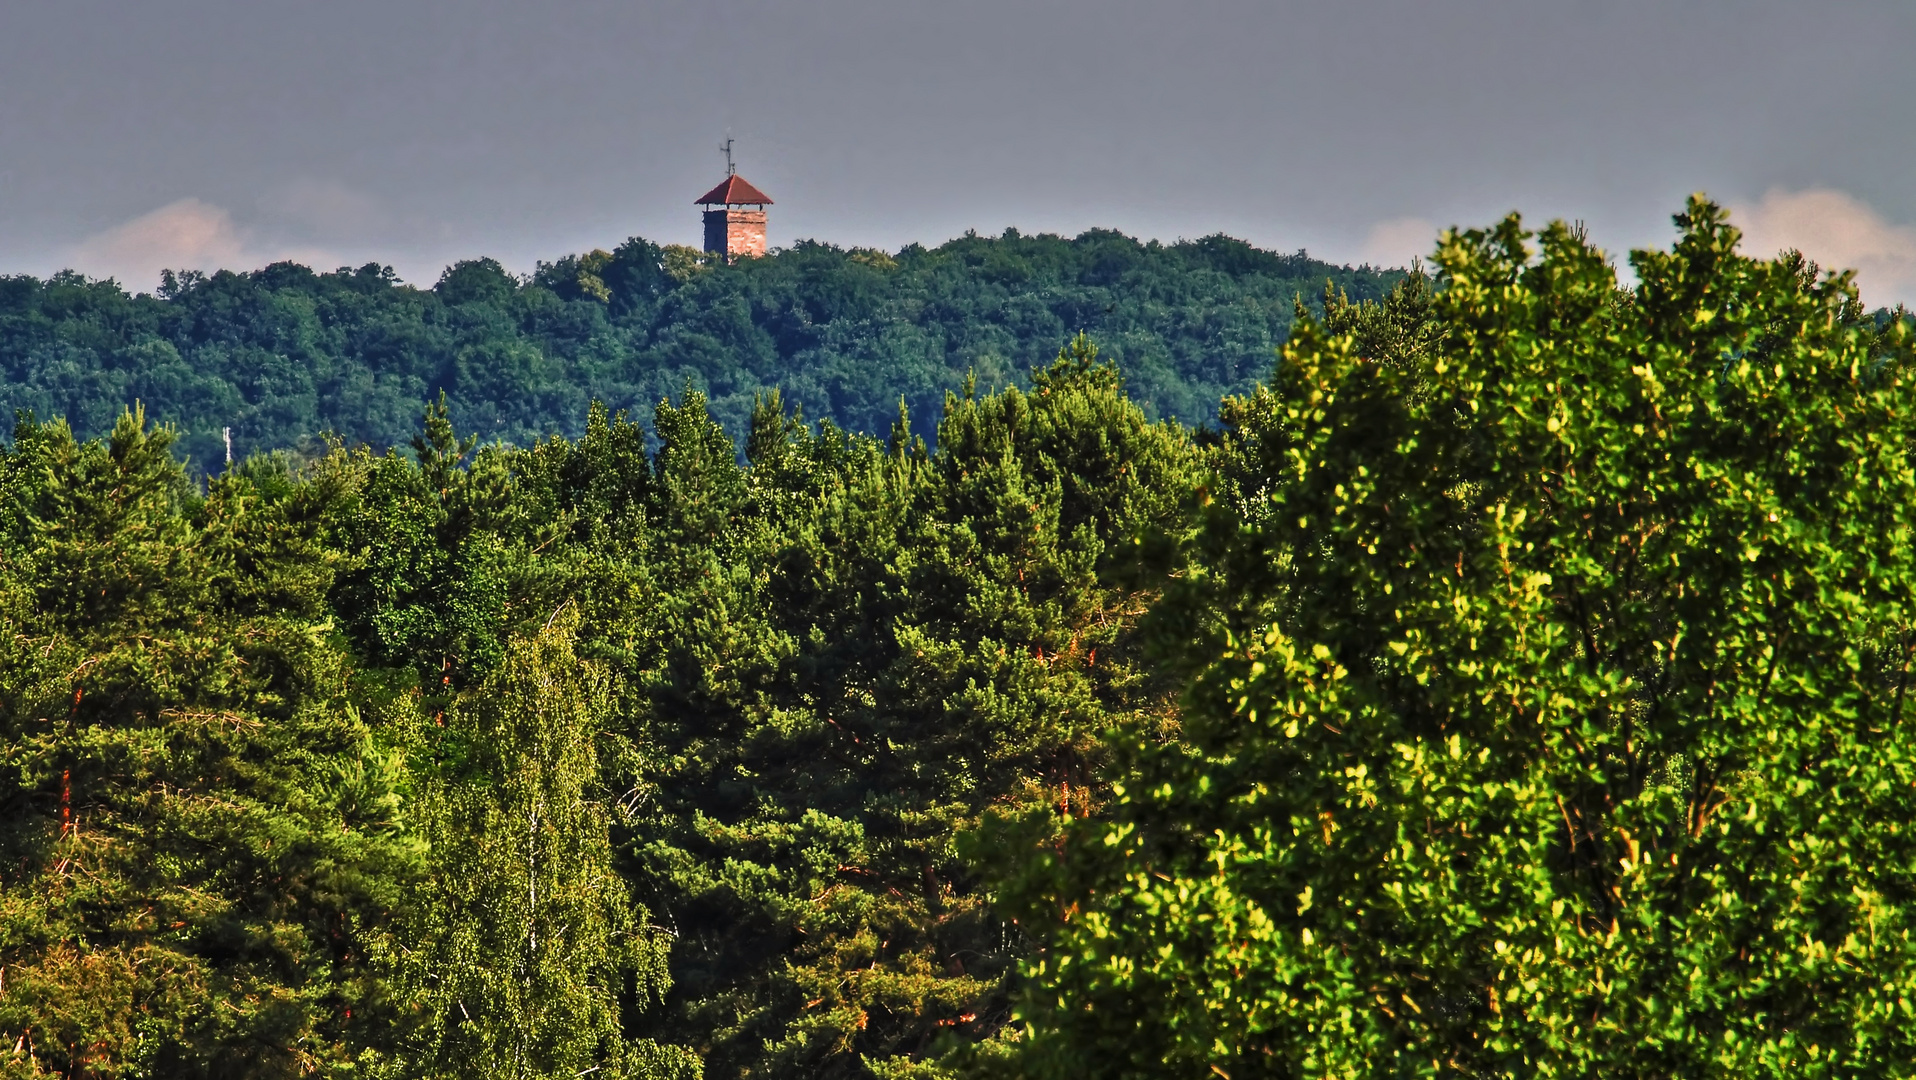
1512,687
529,939
424,588
1547,709
199,831
283,355
899,641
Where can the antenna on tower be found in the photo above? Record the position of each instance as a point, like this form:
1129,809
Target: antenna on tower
730,169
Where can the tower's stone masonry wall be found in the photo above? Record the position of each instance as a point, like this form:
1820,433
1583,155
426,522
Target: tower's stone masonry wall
735,232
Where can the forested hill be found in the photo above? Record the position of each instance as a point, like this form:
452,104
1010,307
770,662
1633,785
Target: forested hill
283,354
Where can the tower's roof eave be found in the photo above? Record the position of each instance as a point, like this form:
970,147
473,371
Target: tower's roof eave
734,191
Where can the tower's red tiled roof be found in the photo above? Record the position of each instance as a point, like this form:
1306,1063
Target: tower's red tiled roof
732,191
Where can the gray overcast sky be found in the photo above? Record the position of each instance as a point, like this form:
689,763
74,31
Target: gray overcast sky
235,132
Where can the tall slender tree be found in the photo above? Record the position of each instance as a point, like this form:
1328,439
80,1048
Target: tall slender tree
530,942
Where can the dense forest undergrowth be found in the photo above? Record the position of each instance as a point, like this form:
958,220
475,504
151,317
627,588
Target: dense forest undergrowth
1510,685
284,355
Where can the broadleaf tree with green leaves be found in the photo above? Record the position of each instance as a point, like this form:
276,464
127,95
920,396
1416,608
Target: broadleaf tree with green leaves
529,944
1547,712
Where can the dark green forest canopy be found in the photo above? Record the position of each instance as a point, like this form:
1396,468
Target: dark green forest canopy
284,354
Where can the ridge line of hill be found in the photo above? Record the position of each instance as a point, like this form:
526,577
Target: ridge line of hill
283,354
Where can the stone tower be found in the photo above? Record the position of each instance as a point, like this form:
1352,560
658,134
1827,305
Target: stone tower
734,218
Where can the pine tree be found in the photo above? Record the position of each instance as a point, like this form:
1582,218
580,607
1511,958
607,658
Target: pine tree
201,835
892,643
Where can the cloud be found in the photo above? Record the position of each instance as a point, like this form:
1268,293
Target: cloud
1838,231
1399,240
184,235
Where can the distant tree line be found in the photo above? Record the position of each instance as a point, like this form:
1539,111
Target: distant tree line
284,355
1512,684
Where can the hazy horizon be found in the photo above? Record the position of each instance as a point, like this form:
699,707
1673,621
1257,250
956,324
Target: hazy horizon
217,134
